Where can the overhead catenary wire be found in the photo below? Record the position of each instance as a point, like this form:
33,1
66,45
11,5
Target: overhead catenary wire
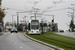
55,3
11,9
23,11
37,3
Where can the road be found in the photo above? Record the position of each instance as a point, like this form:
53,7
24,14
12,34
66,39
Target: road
17,41
68,34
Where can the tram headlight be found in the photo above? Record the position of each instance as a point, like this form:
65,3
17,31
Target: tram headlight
37,31
32,31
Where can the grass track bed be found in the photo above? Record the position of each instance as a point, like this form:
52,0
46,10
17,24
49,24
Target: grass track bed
61,41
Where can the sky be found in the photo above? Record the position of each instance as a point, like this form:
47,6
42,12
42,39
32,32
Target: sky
48,7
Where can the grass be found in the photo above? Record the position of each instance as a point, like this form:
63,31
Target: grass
67,43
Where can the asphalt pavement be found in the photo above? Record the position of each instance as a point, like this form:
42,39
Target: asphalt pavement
17,41
68,34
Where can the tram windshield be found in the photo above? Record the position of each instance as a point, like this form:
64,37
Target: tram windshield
34,26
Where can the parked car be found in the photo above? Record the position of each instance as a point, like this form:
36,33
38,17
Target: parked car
1,31
61,30
14,30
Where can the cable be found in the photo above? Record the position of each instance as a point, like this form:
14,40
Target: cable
12,9
55,3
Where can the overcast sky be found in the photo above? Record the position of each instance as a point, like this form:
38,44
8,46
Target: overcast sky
61,16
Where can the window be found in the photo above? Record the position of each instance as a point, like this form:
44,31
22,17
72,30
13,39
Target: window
34,26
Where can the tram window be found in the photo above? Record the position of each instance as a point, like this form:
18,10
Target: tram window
34,26
45,25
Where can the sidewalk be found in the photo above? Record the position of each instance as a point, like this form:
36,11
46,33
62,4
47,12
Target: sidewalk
68,34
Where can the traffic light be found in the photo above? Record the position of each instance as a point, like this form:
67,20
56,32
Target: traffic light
52,20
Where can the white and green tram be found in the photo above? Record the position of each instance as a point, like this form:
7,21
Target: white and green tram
34,27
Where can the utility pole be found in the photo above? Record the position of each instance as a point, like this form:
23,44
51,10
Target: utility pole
73,12
35,13
24,19
42,26
53,19
18,16
53,26
72,16
13,20
35,10
17,20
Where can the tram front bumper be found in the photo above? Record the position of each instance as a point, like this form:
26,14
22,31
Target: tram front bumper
33,32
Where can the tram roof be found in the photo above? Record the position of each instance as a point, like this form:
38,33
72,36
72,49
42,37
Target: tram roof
34,20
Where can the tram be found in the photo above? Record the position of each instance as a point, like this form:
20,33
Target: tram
45,28
34,27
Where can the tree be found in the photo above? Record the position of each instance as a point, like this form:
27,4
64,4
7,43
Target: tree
0,2
1,13
72,26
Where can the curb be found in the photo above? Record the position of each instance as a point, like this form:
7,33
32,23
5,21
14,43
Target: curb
48,45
